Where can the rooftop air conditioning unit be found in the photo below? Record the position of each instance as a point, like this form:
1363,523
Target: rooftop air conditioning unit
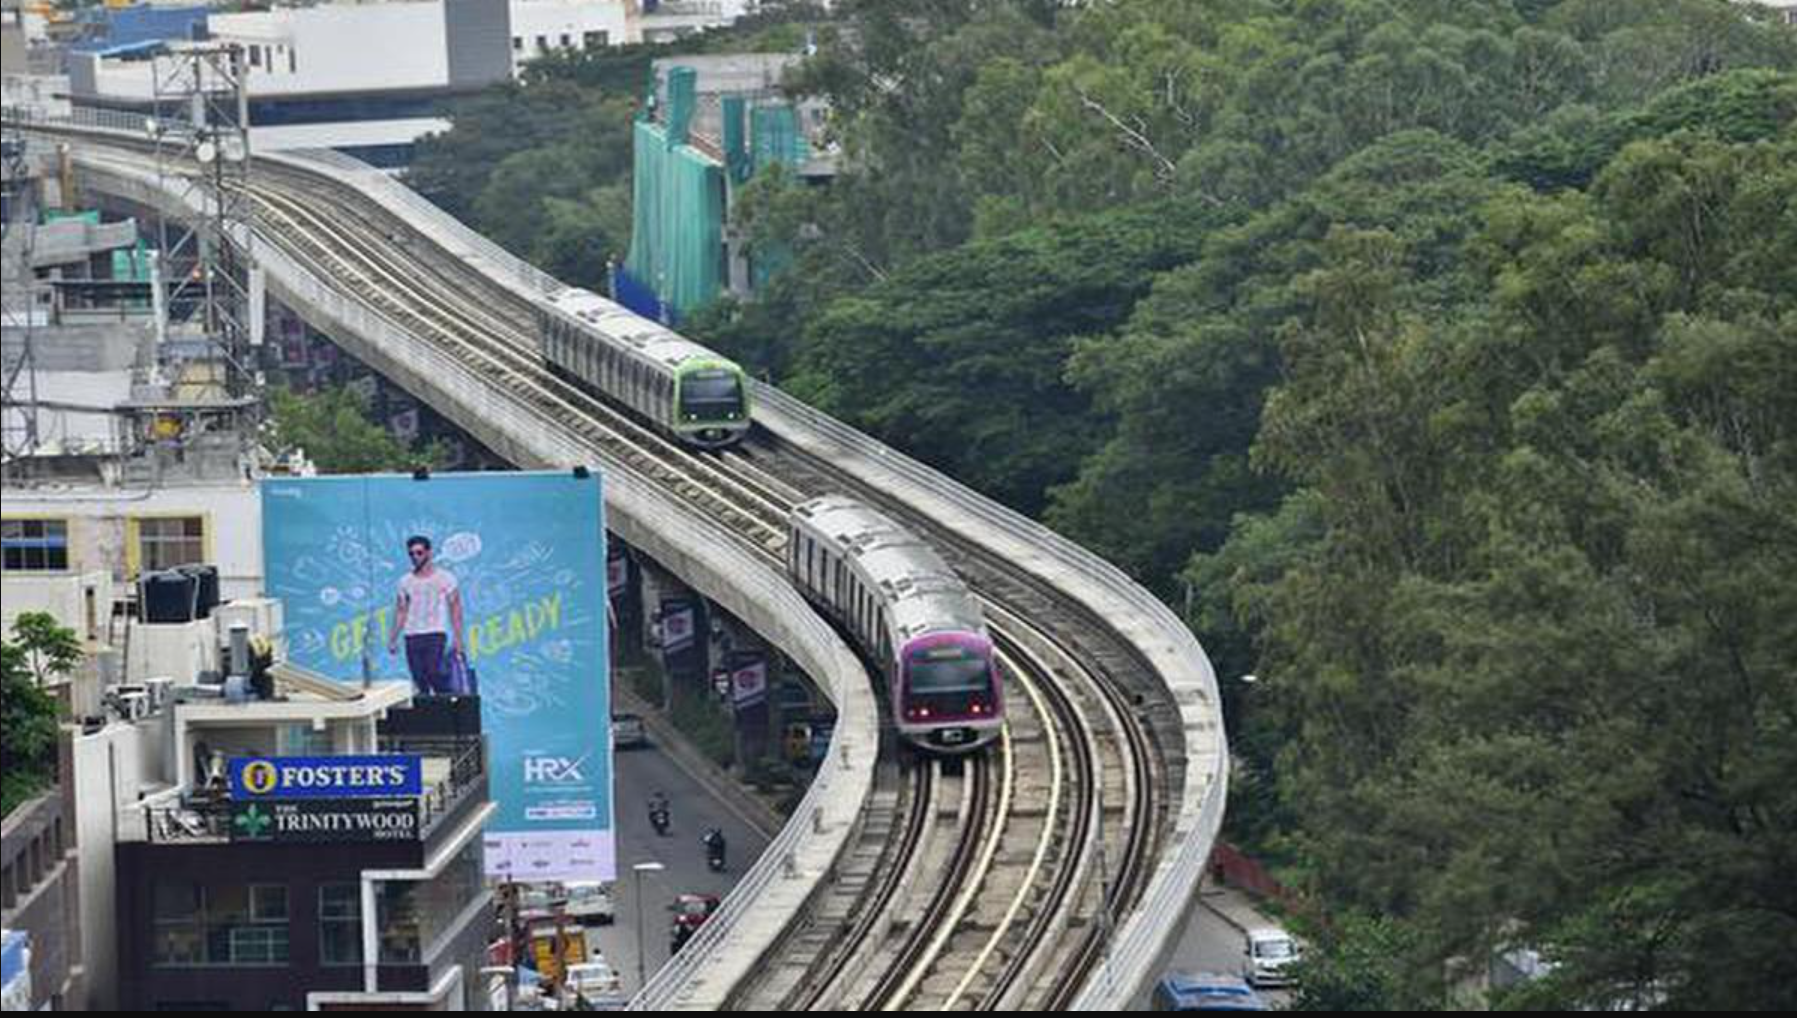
133,705
190,691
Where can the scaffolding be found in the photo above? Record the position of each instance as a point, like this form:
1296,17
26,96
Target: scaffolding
201,130
19,295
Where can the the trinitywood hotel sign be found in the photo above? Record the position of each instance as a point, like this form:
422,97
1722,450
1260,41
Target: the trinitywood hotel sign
317,799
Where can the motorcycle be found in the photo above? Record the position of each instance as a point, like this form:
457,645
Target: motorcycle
659,818
714,849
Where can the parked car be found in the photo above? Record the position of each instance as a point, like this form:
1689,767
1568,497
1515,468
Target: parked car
538,900
1205,991
593,980
627,731
690,912
1271,954
590,901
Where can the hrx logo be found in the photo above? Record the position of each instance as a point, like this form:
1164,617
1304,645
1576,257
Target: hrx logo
553,770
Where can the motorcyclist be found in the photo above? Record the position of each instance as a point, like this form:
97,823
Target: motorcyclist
714,847
658,811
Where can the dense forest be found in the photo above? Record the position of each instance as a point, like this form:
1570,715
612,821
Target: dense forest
1437,357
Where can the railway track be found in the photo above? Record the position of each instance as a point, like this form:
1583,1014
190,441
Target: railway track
1052,832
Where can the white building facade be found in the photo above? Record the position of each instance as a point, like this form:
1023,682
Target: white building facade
369,78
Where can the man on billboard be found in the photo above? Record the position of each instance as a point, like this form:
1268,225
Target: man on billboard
429,614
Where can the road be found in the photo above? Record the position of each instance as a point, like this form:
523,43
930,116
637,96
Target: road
1212,943
639,773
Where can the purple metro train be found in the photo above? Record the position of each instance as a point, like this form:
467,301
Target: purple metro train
909,611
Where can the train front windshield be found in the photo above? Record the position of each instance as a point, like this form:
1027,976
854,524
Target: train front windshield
711,394
948,670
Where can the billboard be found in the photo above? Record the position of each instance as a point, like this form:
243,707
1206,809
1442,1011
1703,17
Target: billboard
461,583
748,679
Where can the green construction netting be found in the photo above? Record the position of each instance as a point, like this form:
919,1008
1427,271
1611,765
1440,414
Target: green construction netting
774,136
89,216
736,148
774,139
132,263
677,219
683,85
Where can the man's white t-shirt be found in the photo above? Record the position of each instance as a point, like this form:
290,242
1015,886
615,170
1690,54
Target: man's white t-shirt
427,601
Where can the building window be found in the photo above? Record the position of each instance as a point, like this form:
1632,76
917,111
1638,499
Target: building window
413,915
340,924
244,924
567,40
178,927
166,543
595,40
542,44
34,544
517,44
303,740
396,908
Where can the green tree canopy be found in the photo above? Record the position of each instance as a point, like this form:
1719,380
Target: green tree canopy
27,712
333,429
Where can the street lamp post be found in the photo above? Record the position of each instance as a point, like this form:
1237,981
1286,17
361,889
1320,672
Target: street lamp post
642,944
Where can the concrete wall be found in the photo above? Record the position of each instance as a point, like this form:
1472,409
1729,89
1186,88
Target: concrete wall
82,349
45,93
12,40
479,41
343,47
100,523
80,601
549,20
130,756
37,856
